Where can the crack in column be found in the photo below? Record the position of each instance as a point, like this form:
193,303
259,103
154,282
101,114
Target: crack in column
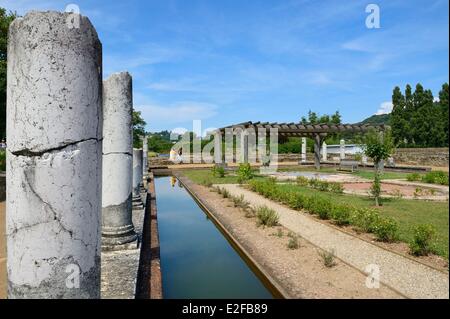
29,153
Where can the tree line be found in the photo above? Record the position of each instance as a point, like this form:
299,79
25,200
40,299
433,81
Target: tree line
418,119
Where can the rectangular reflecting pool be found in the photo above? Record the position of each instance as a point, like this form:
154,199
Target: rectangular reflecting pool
197,261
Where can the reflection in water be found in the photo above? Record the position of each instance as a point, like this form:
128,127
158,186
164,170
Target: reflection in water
196,260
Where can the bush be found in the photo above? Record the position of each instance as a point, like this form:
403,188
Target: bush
336,188
218,171
414,177
436,177
267,216
365,219
302,181
386,229
422,242
328,258
319,206
2,161
341,214
244,173
293,243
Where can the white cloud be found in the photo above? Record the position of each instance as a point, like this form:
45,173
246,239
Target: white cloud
385,108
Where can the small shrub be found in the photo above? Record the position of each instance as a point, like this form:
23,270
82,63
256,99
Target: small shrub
250,212
337,188
266,216
386,229
418,192
293,243
328,258
225,193
341,214
413,177
422,242
302,181
218,171
319,206
397,193
279,233
365,219
436,177
207,182
244,173
2,161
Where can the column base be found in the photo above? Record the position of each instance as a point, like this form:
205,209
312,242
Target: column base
119,238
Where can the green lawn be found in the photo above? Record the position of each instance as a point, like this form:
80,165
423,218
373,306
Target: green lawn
408,213
200,176
369,174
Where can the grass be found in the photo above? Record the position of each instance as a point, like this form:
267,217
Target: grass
386,175
408,213
199,176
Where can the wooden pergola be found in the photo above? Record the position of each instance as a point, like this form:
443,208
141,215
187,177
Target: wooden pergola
318,132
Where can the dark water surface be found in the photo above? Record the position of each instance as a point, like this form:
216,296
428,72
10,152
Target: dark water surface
196,259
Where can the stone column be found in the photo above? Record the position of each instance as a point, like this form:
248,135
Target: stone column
145,157
117,225
54,158
137,178
303,159
324,152
342,149
244,147
218,148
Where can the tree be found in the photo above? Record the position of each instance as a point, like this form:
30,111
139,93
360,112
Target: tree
138,129
378,146
5,21
443,105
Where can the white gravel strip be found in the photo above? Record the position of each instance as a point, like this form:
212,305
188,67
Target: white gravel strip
412,279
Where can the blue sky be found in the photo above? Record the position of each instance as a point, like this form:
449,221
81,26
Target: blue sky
230,61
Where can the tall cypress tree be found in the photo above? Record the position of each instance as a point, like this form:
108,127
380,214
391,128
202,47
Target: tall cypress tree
443,105
397,116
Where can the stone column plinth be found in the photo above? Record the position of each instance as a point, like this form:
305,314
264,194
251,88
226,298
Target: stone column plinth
137,178
54,157
117,226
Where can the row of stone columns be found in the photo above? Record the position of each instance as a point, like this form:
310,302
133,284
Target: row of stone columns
64,125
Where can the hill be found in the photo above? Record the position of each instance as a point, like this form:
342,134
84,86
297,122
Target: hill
377,119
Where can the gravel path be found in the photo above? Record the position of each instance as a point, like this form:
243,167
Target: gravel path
412,279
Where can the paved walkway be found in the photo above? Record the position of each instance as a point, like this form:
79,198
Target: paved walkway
412,279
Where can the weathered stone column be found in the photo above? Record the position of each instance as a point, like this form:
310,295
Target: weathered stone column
137,178
342,149
244,147
117,225
145,157
324,152
218,159
303,159
54,160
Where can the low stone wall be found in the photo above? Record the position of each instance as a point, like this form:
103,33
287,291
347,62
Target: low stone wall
422,156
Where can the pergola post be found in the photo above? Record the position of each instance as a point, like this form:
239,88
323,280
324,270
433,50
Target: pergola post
317,144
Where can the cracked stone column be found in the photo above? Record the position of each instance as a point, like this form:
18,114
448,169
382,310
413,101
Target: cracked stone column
145,157
137,178
117,225
54,158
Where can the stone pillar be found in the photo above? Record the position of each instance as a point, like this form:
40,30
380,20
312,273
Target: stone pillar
342,150
303,159
54,157
117,225
218,148
324,152
145,157
244,147
317,142
137,178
